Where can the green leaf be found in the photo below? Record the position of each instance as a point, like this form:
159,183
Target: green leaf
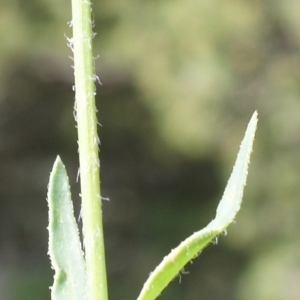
65,250
227,209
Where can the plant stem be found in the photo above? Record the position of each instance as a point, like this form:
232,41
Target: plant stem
88,149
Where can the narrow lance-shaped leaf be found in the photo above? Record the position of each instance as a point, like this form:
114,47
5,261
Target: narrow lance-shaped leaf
65,250
227,209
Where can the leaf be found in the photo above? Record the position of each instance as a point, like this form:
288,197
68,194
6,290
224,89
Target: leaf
227,209
65,250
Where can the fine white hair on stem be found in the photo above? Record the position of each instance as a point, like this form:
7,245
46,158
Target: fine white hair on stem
104,198
80,215
182,272
78,175
97,79
70,43
75,111
98,141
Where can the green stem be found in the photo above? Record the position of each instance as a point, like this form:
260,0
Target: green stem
88,149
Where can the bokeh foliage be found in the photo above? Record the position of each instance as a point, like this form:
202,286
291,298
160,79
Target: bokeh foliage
180,81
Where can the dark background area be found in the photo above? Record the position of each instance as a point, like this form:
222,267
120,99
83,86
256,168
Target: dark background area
181,80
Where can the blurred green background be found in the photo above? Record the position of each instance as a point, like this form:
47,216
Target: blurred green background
181,80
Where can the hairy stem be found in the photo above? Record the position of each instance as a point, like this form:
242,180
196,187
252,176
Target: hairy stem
88,149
